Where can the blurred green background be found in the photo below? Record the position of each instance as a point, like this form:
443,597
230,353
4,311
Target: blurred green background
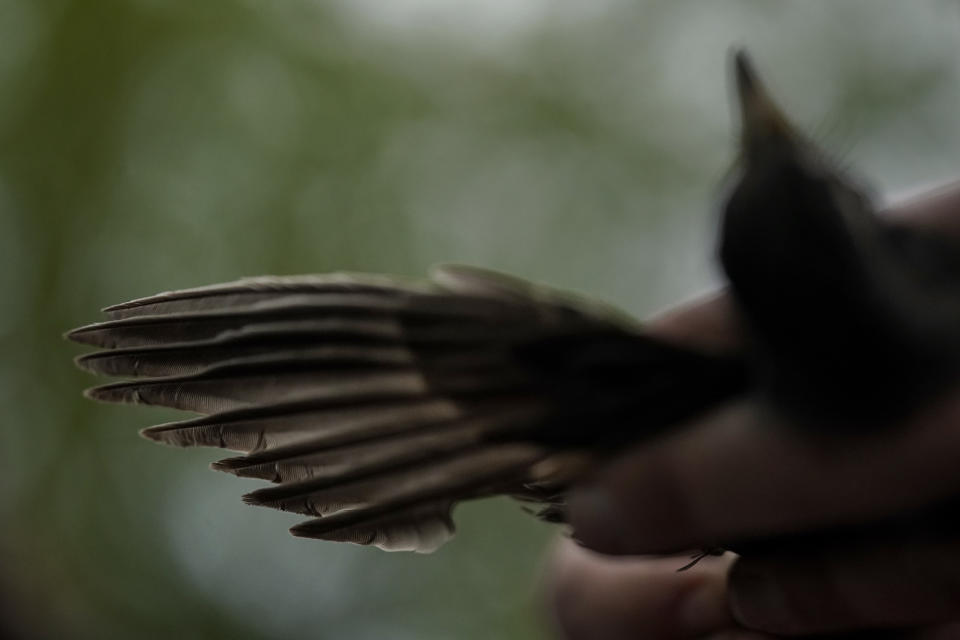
148,145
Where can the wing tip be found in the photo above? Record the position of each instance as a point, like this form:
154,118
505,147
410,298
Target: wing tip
312,529
113,393
156,434
255,499
282,498
227,465
233,465
98,364
81,335
123,306
82,362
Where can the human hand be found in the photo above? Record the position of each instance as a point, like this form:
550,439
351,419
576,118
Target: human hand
735,475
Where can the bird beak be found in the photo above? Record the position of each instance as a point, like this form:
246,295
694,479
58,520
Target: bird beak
763,124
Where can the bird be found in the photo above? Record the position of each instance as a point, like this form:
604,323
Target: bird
375,405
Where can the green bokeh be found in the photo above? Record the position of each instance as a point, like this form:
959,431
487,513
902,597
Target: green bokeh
149,145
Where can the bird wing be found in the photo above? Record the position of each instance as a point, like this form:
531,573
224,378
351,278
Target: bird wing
376,404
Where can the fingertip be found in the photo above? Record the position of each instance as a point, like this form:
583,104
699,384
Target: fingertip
597,519
756,599
594,596
708,321
908,581
639,503
702,608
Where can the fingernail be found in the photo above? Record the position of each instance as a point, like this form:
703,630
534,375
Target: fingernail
756,598
594,516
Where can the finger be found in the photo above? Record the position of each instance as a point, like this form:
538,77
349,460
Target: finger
596,597
937,208
708,322
911,582
737,476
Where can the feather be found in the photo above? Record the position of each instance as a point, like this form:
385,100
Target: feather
310,425
234,386
557,305
422,529
364,487
178,358
482,473
388,440
249,291
413,308
294,376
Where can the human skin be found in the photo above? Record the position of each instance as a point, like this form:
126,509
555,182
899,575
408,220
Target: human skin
736,474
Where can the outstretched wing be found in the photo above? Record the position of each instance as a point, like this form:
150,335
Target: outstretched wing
375,405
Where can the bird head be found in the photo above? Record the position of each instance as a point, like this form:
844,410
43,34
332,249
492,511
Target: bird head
792,218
